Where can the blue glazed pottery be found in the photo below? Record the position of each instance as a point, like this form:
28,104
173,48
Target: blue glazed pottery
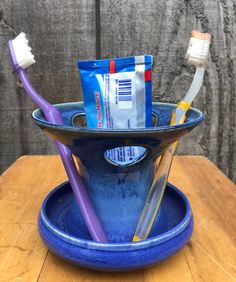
117,191
63,231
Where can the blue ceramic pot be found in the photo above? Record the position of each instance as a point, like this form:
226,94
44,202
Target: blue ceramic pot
63,231
118,191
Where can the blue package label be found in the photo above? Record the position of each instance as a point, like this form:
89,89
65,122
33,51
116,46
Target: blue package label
118,99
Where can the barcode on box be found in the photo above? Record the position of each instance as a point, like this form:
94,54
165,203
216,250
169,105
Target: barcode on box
124,93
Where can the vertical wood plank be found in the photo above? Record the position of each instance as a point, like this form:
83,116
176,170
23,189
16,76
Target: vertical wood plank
163,28
60,33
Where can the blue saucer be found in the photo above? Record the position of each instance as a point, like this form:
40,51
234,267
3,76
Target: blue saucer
63,231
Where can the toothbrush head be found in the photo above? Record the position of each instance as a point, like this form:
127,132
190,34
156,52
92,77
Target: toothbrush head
198,48
20,52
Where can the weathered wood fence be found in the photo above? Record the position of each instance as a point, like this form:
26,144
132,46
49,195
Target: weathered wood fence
61,32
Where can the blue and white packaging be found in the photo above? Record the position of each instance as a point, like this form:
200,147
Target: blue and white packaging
117,94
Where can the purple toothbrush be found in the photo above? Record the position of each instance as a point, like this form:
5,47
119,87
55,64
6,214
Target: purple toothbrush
22,58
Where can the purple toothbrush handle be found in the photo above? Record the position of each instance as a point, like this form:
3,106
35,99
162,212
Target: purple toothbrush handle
52,115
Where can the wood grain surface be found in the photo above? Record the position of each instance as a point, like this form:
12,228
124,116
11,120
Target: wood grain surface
210,255
61,32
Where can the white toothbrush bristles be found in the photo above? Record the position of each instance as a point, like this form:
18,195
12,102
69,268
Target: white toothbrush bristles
22,51
198,48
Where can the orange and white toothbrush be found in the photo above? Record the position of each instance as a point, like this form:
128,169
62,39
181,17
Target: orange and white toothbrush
197,54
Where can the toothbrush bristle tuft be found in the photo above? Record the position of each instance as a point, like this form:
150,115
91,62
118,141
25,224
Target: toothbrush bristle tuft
198,48
22,51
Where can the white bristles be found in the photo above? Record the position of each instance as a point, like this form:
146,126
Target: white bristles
22,51
198,48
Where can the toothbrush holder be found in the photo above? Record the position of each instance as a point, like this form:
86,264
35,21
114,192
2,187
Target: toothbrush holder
117,191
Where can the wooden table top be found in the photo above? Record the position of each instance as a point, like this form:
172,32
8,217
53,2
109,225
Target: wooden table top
210,255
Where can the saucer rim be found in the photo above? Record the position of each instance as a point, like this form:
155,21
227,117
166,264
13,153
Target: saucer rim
127,246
